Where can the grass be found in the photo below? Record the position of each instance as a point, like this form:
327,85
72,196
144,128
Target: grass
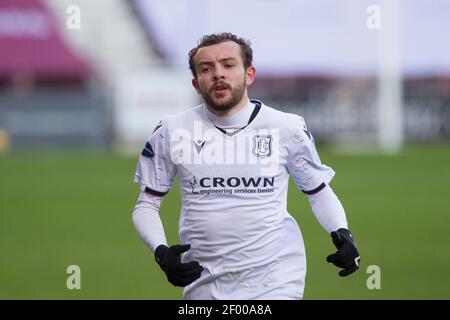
62,209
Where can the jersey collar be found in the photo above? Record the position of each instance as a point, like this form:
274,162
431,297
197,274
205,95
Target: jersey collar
252,108
236,120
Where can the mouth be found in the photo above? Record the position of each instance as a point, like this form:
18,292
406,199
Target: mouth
220,88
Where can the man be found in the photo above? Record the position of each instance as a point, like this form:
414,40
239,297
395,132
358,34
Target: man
234,157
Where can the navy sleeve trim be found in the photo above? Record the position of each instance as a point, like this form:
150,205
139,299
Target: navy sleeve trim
148,151
314,191
154,192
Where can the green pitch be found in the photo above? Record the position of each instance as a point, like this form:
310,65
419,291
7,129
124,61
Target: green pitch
58,210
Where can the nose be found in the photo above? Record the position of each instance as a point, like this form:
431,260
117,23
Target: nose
218,73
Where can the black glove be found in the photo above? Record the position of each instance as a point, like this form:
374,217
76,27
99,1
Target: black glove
179,274
347,255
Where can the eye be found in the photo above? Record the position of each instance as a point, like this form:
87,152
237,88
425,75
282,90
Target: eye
229,65
204,69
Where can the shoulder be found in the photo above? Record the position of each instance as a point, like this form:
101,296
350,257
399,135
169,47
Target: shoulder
179,120
167,124
289,123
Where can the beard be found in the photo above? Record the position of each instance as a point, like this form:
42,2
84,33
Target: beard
236,95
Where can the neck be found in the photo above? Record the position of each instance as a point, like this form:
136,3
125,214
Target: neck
226,113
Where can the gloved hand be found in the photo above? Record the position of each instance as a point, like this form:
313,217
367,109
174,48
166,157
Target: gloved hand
347,255
179,274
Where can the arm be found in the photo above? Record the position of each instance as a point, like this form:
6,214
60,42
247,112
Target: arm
149,227
155,173
147,222
312,178
329,212
328,209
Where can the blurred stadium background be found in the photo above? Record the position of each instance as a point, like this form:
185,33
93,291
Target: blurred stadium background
82,84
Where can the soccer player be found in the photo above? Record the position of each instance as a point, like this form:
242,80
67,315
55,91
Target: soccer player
233,157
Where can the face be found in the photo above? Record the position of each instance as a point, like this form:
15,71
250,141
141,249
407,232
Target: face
222,79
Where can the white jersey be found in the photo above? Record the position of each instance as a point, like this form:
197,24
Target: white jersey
234,186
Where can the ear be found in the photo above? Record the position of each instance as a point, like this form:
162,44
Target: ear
250,74
195,85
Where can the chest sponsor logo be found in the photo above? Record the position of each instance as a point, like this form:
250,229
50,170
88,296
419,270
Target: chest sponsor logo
231,185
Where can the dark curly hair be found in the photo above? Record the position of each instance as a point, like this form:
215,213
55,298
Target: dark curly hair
216,38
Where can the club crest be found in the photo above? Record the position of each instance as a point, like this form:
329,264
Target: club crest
262,146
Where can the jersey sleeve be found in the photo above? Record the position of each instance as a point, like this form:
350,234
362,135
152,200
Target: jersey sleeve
303,162
155,171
